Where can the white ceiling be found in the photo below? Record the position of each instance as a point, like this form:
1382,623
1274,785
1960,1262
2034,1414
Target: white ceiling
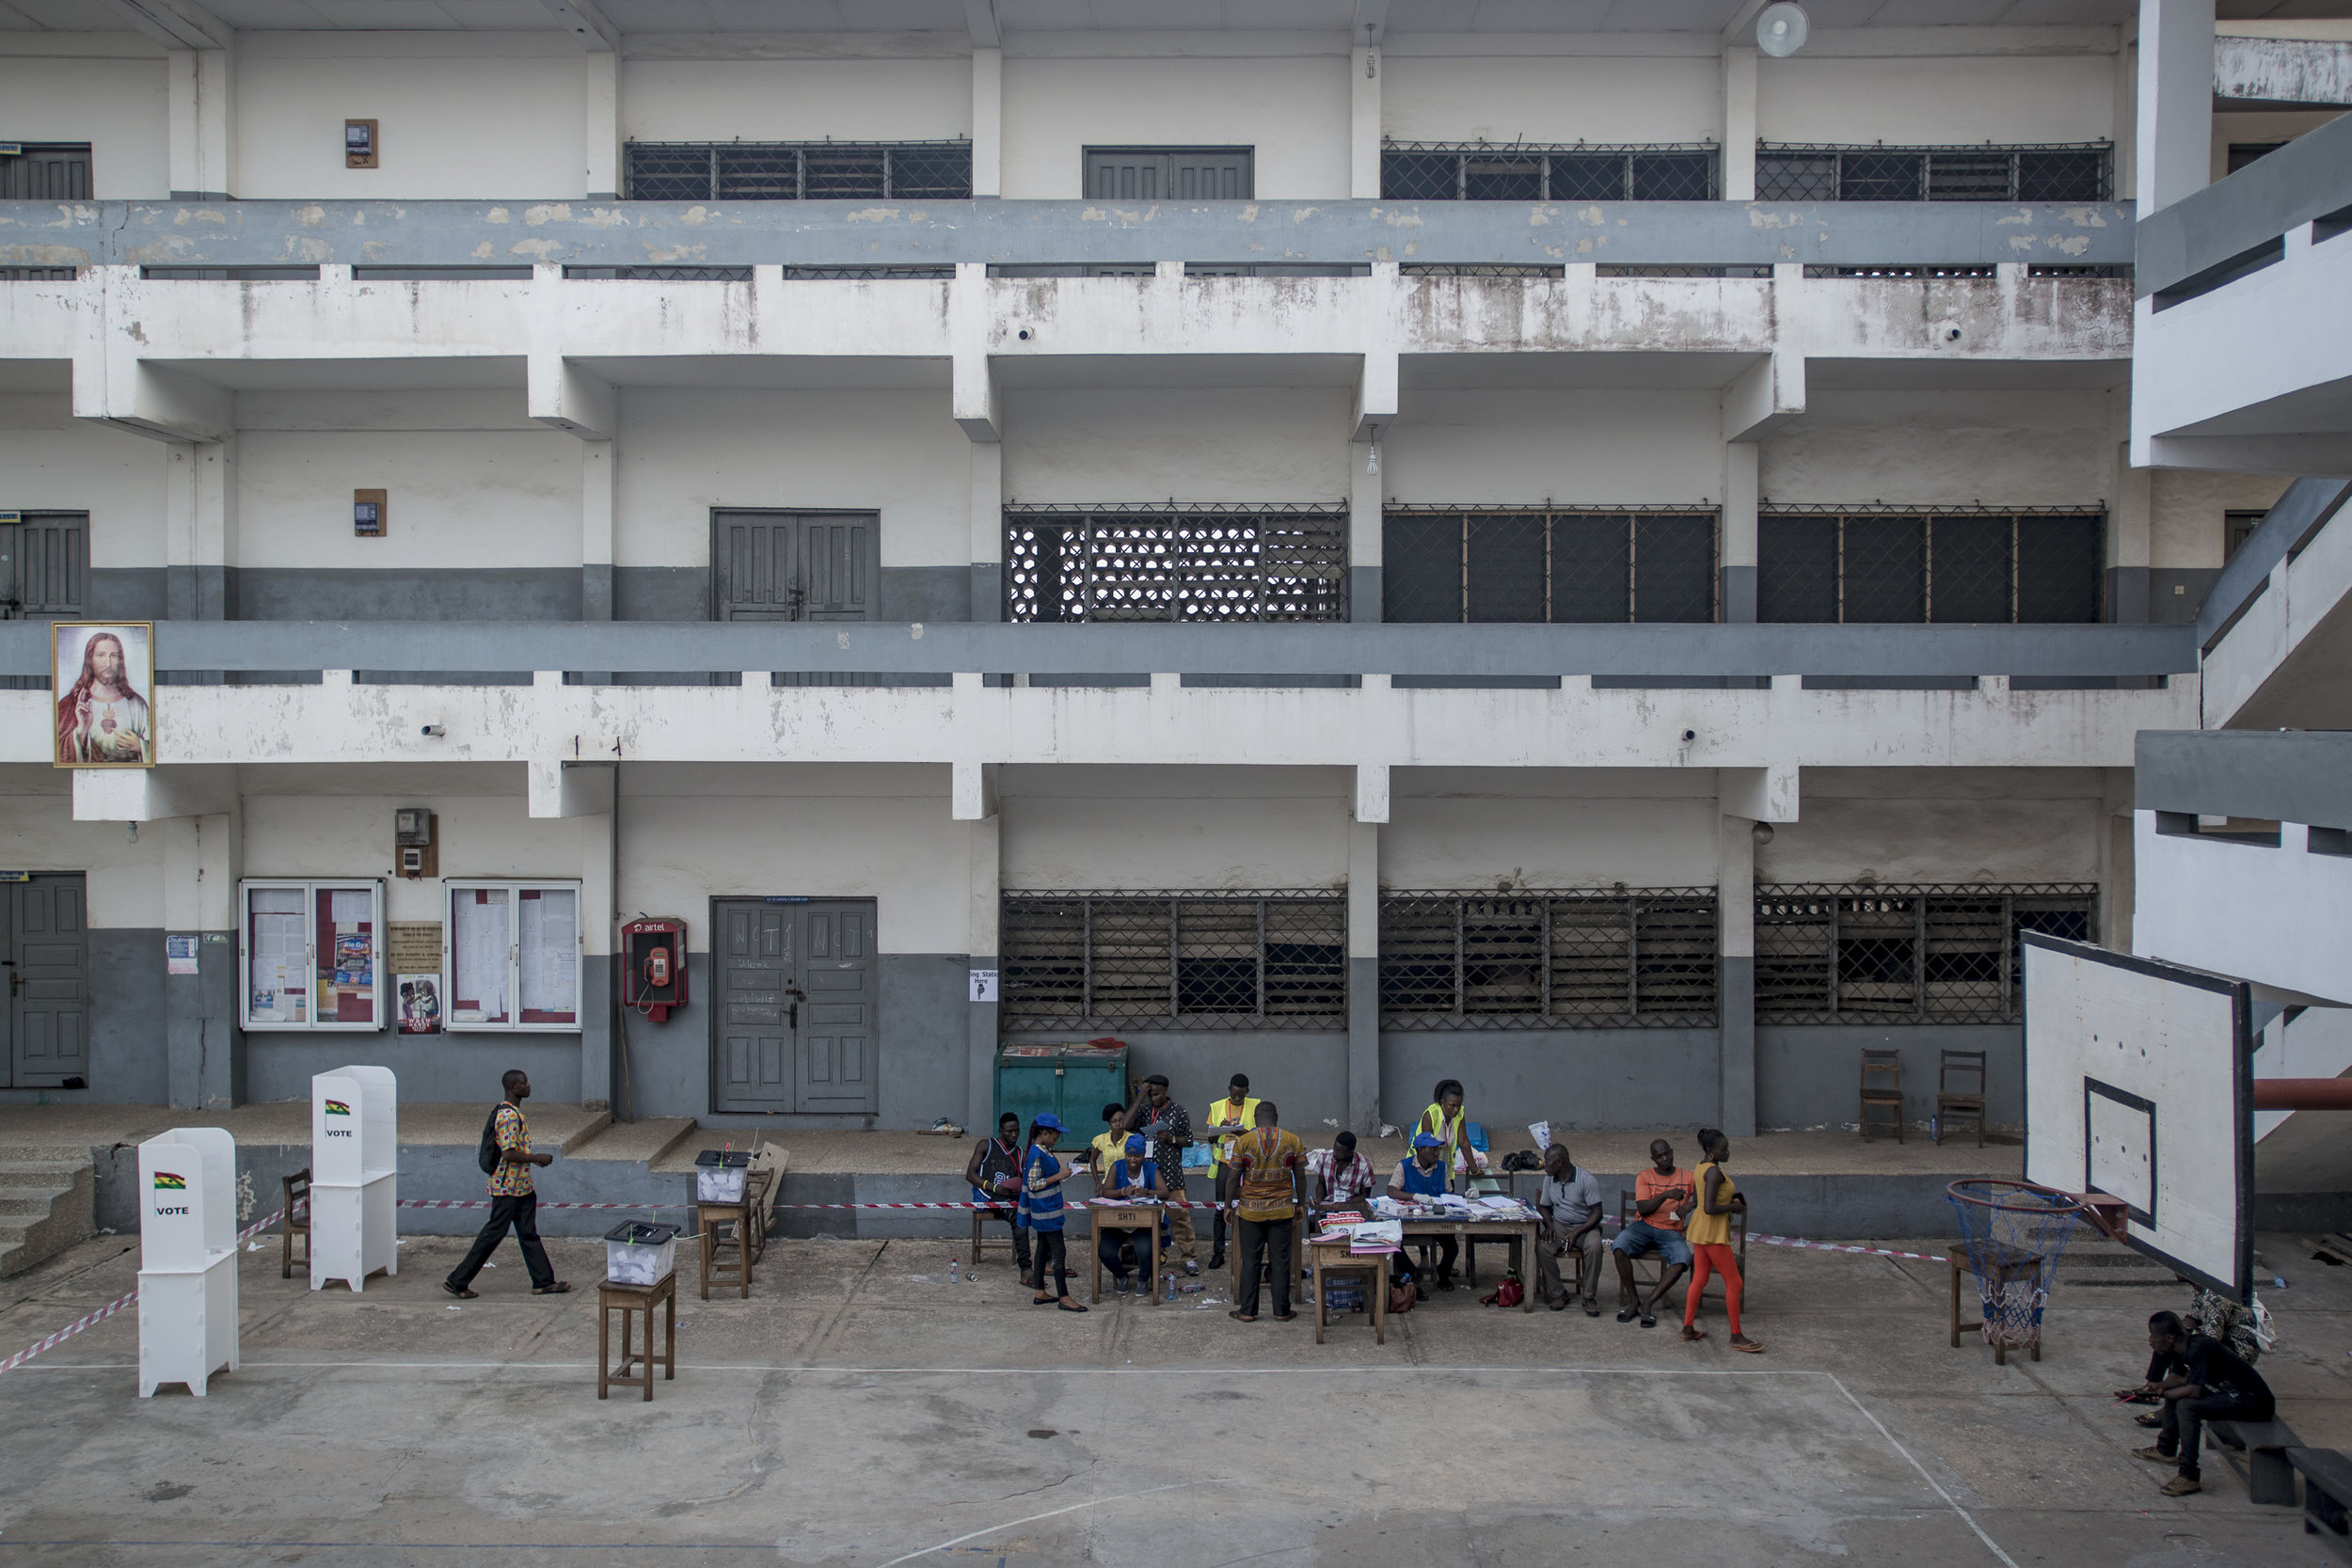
1018,16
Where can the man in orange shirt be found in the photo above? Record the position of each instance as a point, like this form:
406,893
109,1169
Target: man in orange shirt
1661,1202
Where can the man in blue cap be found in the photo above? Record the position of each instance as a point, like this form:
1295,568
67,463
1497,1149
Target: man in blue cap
1041,1176
1418,1177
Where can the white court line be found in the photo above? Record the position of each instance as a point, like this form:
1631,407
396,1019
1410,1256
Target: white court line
1552,1370
1098,1502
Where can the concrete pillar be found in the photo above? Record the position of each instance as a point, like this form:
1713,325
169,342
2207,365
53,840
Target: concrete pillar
988,123
199,122
1364,495
199,528
600,523
203,1048
1735,881
988,530
1363,122
600,992
2174,156
600,103
1739,543
1363,977
1738,122
2129,527
981,933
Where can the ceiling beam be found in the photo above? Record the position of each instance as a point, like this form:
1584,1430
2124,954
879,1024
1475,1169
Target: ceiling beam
1740,22
585,22
980,16
1372,22
175,23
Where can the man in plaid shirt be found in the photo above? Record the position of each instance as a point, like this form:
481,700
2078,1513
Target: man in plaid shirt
1342,1176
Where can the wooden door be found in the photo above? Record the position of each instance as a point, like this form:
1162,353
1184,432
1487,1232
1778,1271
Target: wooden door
753,965
48,960
834,1060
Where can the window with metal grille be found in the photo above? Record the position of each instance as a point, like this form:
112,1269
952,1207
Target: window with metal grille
2236,528
1480,269
661,275
45,171
1644,958
39,274
1072,269
1278,269
1478,171
798,171
1176,563
2082,269
1936,953
1961,565
1174,961
1170,173
1680,269
1539,563
2073,172
1955,269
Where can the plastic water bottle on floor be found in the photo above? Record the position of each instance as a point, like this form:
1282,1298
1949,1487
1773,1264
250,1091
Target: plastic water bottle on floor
952,1276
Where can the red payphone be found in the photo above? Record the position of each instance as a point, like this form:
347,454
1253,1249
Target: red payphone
652,968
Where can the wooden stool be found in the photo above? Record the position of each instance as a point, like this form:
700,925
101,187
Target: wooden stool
2002,1264
629,1300
742,1227
1333,1260
298,1212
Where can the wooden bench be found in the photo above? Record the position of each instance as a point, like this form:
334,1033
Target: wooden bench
1656,1265
2257,1450
2327,1496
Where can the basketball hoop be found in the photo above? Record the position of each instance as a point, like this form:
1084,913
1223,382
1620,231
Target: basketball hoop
2011,1235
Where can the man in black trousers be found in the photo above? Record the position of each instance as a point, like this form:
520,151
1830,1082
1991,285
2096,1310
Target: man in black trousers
2206,1382
513,1201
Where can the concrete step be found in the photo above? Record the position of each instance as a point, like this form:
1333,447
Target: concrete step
46,1205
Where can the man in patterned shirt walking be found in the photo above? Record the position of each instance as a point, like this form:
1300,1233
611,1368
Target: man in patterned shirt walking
513,1201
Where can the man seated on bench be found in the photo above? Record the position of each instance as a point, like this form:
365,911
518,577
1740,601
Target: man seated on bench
994,1173
1663,1199
2208,1381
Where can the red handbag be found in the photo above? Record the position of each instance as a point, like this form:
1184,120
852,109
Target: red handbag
1509,1294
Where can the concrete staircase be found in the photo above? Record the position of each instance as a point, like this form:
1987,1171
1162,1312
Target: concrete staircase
46,1201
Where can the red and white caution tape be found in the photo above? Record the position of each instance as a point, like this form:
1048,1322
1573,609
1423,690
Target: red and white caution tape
1839,1247
94,1319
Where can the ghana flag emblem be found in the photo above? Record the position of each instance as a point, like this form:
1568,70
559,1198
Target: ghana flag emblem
167,1182
337,1108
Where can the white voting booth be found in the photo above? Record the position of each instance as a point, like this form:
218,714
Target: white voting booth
354,1176
187,1258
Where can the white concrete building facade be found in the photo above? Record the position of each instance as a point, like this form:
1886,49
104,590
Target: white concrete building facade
1378,545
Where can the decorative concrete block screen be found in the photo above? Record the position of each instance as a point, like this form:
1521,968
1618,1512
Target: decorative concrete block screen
1174,961
1960,564
1548,564
798,171
1641,957
1176,563
1516,172
2070,172
1936,953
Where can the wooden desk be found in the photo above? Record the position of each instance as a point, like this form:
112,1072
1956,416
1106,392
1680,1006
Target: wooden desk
1522,1235
629,1300
1332,1258
1133,1216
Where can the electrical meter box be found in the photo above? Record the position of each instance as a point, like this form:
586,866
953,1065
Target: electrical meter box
653,965
416,846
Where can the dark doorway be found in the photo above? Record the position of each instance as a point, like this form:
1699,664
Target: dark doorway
794,1026
47,947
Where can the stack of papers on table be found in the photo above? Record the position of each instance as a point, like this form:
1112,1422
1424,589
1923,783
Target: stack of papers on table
1377,1236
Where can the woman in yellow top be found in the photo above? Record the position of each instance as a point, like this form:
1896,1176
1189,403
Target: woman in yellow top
1708,1232
1446,1122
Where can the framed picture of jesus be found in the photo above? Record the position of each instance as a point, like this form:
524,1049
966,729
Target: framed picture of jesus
103,675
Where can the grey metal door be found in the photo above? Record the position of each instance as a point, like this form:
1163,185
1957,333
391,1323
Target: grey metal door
833,1066
796,566
755,1009
48,961
1170,173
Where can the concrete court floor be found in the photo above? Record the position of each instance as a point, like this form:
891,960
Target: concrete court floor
861,1411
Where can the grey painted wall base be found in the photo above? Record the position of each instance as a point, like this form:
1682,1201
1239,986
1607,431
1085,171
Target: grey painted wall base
1575,1078
1362,1115
1826,1208
1739,594
204,1049
1739,1047
1809,1077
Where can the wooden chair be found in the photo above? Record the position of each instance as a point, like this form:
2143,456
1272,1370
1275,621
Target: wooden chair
1882,1090
980,1216
1959,1092
297,1222
1656,1265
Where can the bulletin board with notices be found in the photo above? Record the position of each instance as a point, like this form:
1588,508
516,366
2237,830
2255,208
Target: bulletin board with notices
312,955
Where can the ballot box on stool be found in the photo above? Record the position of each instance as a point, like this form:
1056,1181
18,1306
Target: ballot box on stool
187,1258
354,1175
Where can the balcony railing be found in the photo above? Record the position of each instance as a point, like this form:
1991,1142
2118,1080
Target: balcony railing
2235,226
1466,652
839,233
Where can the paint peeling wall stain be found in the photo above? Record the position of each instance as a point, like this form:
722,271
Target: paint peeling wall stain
496,215
309,216
547,212
871,215
606,217
539,250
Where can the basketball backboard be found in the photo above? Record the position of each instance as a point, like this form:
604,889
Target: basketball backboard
2140,1086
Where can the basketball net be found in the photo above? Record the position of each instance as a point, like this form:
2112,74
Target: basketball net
2011,1235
